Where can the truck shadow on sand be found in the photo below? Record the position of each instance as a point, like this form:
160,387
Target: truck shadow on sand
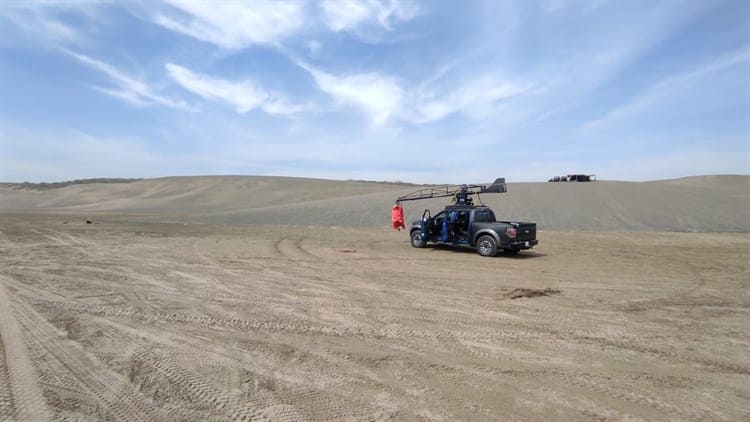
469,250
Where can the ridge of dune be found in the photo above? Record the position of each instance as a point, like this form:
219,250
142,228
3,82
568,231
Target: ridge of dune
713,181
700,203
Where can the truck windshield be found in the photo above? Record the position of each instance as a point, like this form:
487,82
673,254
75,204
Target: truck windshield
484,216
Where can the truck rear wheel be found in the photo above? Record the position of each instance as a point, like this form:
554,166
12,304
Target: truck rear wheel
487,246
416,239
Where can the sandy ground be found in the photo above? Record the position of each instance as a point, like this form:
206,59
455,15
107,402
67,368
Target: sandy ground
130,320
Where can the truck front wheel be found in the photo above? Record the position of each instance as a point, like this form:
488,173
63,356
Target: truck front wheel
487,246
416,239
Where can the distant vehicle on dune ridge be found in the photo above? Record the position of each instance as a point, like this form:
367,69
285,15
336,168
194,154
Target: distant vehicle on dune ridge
574,178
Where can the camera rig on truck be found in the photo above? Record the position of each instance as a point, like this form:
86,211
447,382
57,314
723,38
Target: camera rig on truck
461,193
464,224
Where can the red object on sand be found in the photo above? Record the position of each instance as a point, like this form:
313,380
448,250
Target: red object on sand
397,217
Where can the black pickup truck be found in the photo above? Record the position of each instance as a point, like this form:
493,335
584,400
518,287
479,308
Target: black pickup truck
472,226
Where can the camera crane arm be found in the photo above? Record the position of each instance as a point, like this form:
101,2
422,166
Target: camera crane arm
462,193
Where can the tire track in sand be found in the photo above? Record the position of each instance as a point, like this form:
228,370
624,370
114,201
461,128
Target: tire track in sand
159,367
25,401
113,393
6,405
290,247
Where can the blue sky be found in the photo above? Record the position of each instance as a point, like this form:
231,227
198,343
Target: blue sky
418,91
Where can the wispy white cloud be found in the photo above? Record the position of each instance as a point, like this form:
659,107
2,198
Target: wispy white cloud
612,39
238,25
127,88
664,91
233,25
313,47
347,15
39,21
244,96
474,98
552,6
383,97
379,95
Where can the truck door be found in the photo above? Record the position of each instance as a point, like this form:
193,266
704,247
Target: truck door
462,227
425,226
438,227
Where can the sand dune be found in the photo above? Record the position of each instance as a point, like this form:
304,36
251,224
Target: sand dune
702,203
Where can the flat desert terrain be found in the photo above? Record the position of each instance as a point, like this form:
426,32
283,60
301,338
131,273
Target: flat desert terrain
205,299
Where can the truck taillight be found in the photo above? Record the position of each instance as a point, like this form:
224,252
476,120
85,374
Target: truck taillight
511,232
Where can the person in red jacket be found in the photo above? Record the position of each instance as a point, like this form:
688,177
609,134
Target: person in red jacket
397,217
